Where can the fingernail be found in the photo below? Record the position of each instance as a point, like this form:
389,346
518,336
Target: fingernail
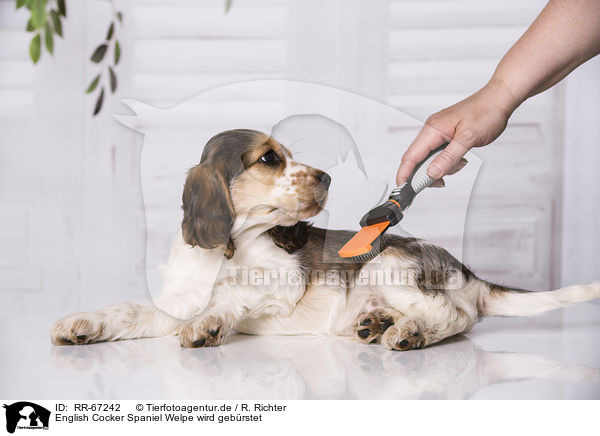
434,171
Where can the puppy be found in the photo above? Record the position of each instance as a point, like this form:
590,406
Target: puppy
246,261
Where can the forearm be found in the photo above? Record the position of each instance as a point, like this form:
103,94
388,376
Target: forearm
564,35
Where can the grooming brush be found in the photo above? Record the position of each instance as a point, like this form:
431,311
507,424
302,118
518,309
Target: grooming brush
366,244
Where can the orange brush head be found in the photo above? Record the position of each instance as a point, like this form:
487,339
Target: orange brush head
361,242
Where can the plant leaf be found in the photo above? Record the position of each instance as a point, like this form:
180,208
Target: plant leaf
113,80
38,14
120,17
35,48
49,39
93,84
228,5
111,30
99,102
20,3
56,22
30,27
99,53
62,7
117,52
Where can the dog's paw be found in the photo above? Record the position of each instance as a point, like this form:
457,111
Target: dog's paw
203,332
406,335
370,326
77,329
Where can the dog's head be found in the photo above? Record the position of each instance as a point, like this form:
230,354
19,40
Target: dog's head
247,174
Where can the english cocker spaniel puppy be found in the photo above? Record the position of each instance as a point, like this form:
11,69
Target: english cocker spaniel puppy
246,261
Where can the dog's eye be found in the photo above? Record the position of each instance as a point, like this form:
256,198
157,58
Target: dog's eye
269,158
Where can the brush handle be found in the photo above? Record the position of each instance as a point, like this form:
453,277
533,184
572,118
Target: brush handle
418,180
402,197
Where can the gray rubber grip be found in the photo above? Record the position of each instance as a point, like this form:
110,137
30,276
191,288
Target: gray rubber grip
419,179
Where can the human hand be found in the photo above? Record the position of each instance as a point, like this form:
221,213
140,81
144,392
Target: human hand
473,122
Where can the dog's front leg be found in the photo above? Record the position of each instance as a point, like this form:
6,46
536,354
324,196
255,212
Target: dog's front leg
206,330
115,322
231,304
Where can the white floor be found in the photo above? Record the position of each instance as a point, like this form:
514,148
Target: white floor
552,356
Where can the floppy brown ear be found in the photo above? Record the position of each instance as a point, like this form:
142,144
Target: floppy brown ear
208,212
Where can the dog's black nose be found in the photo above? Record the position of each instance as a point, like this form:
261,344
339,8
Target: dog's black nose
324,178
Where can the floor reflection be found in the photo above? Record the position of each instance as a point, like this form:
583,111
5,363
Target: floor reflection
249,367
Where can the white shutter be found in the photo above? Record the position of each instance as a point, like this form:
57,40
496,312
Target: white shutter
184,47
16,74
441,51
18,269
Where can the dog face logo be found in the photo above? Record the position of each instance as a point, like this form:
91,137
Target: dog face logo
26,415
357,140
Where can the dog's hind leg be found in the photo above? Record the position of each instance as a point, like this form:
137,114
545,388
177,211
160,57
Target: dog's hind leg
372,325
397,331
118,321
409,333
425,319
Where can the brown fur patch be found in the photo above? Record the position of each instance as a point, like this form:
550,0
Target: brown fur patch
317,250
497,290
290,238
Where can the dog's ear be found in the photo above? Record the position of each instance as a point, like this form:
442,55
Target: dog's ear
208,212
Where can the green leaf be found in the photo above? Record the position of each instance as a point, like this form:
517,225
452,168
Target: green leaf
93,84
62,7
20,3
29,3
49,39
228,5
35,48
99,102
111,30
120,17
38,14
99,53
117,52
56,22
113,80
30,26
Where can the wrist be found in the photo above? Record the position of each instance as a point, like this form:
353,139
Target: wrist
503,95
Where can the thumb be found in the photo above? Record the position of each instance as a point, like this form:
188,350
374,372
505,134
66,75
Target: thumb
446,160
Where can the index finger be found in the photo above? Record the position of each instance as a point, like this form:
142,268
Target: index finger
426,140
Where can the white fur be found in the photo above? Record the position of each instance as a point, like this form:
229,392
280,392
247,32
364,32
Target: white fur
527,304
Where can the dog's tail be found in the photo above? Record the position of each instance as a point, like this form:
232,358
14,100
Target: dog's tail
499,300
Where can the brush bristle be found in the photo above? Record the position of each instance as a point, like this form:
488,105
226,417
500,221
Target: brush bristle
376,249
362,242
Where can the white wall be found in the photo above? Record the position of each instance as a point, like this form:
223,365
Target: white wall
581,189
73,233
